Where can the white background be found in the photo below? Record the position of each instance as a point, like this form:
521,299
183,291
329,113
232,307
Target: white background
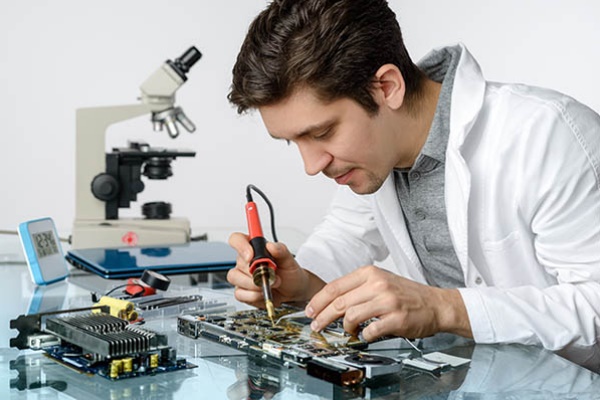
56,56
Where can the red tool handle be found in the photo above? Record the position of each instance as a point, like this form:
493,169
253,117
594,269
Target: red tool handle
254,227
257,240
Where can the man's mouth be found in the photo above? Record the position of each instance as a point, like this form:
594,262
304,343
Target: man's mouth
344,178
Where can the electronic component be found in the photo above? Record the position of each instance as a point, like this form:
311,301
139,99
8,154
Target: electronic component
334,372
122,309
424,364
43,251
331,354
98,343
148,284
155,280
160,306
373,365
443,358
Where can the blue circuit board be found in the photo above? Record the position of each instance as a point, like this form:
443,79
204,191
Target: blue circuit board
134,365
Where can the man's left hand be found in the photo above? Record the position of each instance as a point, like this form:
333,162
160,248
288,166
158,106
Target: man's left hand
401,307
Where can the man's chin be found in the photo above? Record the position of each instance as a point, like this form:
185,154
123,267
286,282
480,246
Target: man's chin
360,182
371,188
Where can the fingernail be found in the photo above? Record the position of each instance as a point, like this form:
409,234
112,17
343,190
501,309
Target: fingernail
309,311
247,256
314,326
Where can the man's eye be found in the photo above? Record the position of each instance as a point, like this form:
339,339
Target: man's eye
322,135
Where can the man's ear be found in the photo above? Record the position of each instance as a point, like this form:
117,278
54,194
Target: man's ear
390,83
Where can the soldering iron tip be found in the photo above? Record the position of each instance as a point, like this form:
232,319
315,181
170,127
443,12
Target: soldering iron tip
270,311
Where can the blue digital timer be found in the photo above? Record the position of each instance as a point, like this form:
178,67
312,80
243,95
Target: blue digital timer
43,251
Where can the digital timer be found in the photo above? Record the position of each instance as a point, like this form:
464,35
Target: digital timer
43,251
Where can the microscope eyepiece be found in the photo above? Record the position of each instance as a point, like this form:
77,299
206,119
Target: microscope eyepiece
187,60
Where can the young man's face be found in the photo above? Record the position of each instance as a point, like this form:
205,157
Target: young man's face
338,139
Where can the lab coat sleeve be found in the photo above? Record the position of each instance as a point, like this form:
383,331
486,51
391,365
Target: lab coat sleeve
558,203
348,238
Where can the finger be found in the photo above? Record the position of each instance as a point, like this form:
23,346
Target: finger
340,306
240,243
386,325
361,312
251,297
278,250
277,282
240,277
335,289
245,289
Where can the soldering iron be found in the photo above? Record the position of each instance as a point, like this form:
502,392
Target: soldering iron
262,266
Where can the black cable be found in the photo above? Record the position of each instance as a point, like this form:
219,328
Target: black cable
95,298
117,287
249,189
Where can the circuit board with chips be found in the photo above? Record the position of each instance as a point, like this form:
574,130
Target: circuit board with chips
290,342
98,344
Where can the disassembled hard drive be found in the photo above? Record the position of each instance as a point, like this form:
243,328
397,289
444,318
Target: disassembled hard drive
332,355
97,343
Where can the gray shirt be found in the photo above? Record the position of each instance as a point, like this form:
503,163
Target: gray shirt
420,188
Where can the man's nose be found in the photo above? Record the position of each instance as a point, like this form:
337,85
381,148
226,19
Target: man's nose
315,159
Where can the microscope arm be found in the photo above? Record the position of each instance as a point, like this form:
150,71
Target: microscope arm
91,127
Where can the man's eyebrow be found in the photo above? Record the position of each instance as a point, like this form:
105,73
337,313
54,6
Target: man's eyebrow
310,129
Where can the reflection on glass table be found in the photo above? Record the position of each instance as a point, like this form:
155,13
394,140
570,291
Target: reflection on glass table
495,372
35,376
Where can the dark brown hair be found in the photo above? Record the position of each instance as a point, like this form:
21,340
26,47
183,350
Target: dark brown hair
332,46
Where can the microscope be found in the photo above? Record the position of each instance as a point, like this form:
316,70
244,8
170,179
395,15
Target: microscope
105,182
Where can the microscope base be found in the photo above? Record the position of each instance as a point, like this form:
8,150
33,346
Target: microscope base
129,232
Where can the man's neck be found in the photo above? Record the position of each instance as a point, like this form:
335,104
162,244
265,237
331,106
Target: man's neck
416,124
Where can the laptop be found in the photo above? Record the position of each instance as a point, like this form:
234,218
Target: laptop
129,262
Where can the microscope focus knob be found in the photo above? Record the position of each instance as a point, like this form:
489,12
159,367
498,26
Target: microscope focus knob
105,187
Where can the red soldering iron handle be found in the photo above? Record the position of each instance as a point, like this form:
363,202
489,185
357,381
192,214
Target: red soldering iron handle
257,240
254,226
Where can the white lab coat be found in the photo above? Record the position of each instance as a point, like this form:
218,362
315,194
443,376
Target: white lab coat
522,196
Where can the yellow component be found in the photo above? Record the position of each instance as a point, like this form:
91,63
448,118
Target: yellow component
118,308
116,367
153,360
127,364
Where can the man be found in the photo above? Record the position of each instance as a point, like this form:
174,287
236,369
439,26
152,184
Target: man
486,196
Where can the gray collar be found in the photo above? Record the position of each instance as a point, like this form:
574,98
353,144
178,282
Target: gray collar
440,66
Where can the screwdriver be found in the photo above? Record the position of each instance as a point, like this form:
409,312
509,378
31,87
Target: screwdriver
262,266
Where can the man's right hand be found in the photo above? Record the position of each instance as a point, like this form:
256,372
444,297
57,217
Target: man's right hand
292,283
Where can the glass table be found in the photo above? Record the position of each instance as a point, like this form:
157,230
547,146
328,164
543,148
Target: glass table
495,371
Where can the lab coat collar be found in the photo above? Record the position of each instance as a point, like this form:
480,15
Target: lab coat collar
467,93
467,100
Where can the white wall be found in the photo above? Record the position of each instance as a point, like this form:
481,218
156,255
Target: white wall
56,56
